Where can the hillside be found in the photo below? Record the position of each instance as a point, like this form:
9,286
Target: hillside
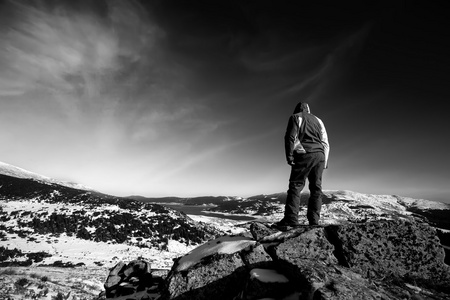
47,222
46,225
13,171
41,214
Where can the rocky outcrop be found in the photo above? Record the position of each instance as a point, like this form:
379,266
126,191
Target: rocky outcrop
388,259
380,250
134,278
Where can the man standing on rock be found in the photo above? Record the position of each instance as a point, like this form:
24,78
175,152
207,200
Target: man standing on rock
307,149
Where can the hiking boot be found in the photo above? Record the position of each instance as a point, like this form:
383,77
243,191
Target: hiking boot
283,222
315,224
283,225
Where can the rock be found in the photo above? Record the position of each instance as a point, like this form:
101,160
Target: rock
137,268
260,230
305,259
220,274
308,245
389,259
127,279
114,279
266,283
342,284
256,256
398,249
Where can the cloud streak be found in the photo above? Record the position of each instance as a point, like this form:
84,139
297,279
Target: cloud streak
101,66
74,55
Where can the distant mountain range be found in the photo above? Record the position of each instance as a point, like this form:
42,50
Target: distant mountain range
358,206
13,171
40,217
45,221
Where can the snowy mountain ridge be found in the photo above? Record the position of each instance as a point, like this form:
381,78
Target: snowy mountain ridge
402,201
27,196
44,224
13,171
47,224
35,209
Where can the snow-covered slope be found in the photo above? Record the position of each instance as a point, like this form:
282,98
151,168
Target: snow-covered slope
47,222
95,234
13,171
376,200
44,223
39,214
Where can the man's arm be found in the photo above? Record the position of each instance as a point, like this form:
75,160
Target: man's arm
289,138
325,143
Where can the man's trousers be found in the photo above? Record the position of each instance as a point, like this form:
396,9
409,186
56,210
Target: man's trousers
307,165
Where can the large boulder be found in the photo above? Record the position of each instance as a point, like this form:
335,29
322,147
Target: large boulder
221,274
134,278
215,268
388,259
307,258
398,249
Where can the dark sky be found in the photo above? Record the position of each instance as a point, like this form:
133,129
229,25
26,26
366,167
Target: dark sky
191,98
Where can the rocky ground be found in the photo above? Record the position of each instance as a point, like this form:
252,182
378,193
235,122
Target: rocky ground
385,259
87,281
52,282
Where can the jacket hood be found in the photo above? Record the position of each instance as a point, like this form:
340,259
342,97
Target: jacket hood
301,106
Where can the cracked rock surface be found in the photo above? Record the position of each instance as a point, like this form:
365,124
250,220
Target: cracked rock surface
386,259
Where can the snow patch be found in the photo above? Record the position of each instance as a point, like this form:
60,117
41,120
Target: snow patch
225,225
268,275
221,245
71,249
423,204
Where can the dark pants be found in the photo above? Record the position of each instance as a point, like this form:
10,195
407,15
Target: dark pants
308,165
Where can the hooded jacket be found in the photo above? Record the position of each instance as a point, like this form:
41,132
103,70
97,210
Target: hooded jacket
314,139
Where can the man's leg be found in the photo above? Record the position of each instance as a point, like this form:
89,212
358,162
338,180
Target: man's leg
315,188
293,202
297,180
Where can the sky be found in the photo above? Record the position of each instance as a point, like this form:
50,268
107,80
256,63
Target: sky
192,98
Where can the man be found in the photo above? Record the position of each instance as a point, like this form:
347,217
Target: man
306,162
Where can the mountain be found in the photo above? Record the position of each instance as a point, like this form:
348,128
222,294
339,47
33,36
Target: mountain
338,206
203,200
265,205
13,171
34,207
46,223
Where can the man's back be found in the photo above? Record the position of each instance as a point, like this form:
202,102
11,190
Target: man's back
312,134
311,129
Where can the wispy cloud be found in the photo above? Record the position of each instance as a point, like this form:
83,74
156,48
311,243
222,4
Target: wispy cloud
74,55
103,68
